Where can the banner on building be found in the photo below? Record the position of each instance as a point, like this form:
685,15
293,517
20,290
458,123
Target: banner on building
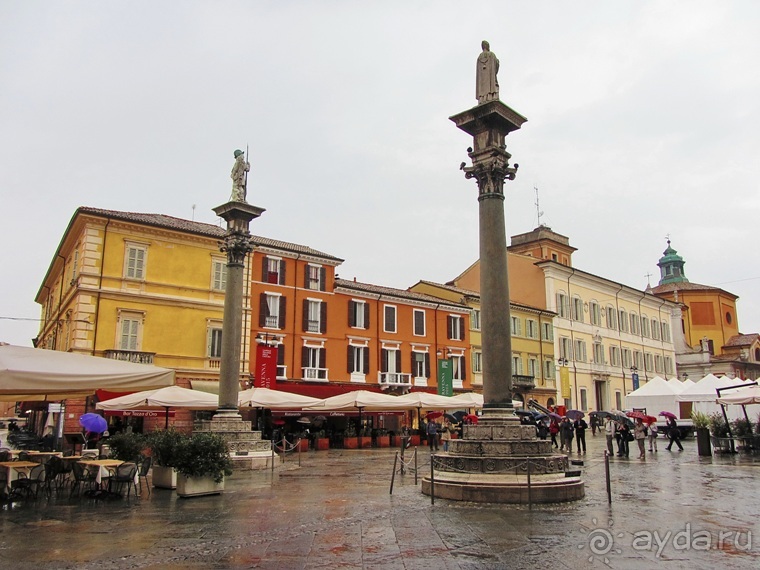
446,377
266,366
564,382
635,378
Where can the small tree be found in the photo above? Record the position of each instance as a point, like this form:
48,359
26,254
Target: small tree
742,427
203,454
700,420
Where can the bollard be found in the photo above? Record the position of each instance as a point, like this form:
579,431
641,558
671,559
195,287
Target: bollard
298,443
393,476
415,465
432,480
607,474
272,454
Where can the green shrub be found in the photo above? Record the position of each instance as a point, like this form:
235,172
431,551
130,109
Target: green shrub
203,454
742,427
718,425
700,420
163,445
127,446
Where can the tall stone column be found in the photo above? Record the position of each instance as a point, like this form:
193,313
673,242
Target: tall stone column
237,244
489,123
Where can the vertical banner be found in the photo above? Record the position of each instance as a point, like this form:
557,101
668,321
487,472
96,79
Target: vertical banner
445,377
564,382
635,378
266,366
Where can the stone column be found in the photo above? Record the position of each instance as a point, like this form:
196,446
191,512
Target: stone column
489,123
237,244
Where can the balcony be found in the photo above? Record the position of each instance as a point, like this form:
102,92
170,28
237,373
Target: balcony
130,356
394,379
523,383
318,374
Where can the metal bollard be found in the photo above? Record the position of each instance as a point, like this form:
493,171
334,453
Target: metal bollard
393,476
432,480
530,497
415,465
607,474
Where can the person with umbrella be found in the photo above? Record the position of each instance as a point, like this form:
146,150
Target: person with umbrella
93,425
553,431
610,432
432,433
580,433
625,437
673,432
652,433
639,433
566,429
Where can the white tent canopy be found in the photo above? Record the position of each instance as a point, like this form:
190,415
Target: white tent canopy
37,374
703,395
655,396
742,397
679,386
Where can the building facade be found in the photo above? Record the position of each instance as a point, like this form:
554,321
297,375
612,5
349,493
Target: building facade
534,375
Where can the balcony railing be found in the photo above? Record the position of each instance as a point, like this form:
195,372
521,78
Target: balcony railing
394,378
130,356
314,373
523,383
272,322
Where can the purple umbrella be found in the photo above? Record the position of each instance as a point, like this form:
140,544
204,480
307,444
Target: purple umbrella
668,414
93,422
574,414
555,416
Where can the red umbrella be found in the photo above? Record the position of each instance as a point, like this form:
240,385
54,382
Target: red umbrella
433,415
471,419
649,420
637,415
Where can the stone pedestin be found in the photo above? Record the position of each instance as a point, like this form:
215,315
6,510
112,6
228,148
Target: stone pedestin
491,465
239,437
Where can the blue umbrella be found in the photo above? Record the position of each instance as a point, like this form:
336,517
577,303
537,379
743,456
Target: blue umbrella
93,422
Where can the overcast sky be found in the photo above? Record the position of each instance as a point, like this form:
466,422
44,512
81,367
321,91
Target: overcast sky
643,121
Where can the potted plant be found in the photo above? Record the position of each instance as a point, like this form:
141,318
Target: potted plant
127,446
742,429
383,439
365,438
303,441
350,441
201,460
163,445
701,423
321,441
718,426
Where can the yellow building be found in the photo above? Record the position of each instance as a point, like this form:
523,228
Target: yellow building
532,341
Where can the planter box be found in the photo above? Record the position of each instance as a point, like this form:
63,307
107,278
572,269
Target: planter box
703,442
303,445
415,440
383,441
350,443
365,442
322,443
396,441
164,477
198,486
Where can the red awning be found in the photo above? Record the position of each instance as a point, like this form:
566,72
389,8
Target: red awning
103,395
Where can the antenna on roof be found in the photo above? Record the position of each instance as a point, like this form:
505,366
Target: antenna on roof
539,213
193,212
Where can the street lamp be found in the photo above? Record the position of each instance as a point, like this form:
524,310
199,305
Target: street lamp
267,339
562,361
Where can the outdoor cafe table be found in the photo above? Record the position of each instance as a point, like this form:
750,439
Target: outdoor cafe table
13,468
103,466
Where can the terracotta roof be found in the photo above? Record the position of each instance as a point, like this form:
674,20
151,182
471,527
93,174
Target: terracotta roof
199,228
391,292
682,286
742,339
476,294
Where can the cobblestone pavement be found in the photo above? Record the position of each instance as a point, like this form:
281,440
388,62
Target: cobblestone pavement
673,510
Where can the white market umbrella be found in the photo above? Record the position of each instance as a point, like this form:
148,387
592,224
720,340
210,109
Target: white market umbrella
274,399
742,397
361,399
164,398
38,374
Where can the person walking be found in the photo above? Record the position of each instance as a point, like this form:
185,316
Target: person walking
432,435
446,435
625,438
639,433
674,434
610,431
592,421
580,434
553,431
652,437
566,428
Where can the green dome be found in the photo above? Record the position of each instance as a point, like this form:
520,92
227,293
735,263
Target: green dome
671,267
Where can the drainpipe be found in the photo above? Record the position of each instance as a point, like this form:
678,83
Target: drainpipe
620,341
572,338
100,288
295,310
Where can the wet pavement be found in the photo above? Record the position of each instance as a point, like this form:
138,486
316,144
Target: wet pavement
672,510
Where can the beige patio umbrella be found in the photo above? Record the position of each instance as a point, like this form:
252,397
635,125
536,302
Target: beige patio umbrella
274,399
163,398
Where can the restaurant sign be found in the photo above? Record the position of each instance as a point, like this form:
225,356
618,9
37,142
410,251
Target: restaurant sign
140,413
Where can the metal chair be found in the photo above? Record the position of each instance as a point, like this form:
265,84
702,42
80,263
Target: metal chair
90,454
124,474
143,473
83,476
28,484
23,456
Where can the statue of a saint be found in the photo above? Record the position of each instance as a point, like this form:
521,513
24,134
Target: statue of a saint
486,83
239,178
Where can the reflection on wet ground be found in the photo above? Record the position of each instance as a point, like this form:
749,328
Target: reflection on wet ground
674,510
